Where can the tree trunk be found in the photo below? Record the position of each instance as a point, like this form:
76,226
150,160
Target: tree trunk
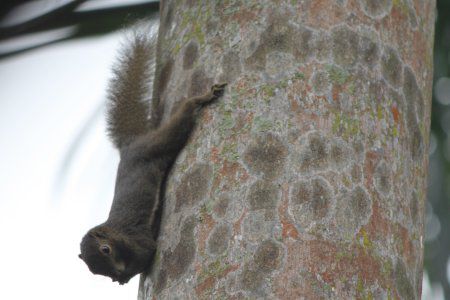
307,179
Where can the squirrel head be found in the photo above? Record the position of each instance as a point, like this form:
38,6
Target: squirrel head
107,252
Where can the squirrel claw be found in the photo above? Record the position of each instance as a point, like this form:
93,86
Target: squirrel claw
219,85
218,89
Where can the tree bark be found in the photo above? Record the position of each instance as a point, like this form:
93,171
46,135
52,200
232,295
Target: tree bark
307,179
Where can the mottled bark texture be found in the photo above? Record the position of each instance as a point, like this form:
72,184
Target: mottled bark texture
308,178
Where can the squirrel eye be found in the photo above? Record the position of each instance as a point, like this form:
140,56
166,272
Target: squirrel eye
105,249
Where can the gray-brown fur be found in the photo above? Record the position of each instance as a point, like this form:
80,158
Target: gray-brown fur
130,89
124,244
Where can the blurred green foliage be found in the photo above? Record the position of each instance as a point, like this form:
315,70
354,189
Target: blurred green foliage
437,235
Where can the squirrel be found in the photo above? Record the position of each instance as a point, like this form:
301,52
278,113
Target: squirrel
124,245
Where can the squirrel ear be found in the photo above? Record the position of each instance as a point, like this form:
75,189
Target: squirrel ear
97,234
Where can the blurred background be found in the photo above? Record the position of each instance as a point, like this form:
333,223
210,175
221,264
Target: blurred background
437,228
58,169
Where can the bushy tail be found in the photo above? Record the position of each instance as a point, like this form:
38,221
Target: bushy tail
130,89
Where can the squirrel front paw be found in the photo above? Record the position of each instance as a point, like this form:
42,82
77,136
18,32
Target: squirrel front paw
217,90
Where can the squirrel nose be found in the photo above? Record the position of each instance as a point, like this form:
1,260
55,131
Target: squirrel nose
120,267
